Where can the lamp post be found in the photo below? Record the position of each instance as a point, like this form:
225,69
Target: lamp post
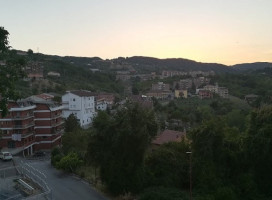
190,172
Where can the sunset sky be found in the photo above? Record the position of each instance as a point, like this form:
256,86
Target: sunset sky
222,31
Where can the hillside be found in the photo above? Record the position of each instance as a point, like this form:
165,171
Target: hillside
251,66
179,64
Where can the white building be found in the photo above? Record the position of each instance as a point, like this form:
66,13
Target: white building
81,104
101,104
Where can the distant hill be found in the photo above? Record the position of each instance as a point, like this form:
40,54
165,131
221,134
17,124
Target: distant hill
149,64
252,66
155,64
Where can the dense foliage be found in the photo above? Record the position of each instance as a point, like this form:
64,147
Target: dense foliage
11,70
124,137
257,82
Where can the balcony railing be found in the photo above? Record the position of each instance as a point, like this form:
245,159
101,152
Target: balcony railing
58,131
23,126
56,116
54,124
22,117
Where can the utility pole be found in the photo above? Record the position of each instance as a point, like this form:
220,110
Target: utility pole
190,173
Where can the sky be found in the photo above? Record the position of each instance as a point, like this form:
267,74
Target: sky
218,31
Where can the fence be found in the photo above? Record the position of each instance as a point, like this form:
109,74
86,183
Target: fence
37,177
8,177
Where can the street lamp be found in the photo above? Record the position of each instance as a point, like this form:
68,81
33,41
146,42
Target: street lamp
190,153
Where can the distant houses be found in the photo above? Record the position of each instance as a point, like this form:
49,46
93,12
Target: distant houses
54,74
160,90
205,94
221,91
184,89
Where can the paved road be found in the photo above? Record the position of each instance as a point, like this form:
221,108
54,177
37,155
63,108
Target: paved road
5,164
7,169
65,186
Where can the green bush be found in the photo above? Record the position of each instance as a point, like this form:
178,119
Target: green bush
69,162
56,159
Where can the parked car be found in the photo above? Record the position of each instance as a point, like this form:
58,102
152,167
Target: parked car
5,156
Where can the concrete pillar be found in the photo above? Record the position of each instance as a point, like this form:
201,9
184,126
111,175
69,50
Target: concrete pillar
31,150
28,151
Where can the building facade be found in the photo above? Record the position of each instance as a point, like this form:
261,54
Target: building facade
48,125
81,103
18,128
32,124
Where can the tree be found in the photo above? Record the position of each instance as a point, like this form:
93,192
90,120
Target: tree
76,141
259,148
71,124
4,40
10,72
217,156
168,166
118,145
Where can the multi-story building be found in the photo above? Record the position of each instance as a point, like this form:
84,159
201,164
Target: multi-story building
81,104
166,74
181,94
160,86
101,104
184,84
108,98
17,127
159,94
48,122
32,124
212,88
223,92
199,81
205,94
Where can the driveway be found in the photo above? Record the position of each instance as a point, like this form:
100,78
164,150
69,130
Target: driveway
65,186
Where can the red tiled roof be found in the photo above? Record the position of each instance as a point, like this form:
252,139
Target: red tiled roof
106,97
168,136
35,75
45,96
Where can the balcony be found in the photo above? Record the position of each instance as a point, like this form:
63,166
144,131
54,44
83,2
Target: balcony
17,118
23,108
55,132
54,124
24,126
56,116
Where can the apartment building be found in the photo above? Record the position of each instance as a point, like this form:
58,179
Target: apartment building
160,86
205,94
32,124
18,127
49,125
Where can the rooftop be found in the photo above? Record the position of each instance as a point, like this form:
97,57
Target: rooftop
168,136
83,93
